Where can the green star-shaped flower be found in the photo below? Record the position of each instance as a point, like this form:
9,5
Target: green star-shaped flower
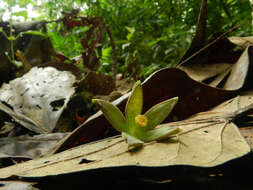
137,128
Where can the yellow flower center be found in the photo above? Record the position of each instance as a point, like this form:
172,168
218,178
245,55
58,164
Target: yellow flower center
141,120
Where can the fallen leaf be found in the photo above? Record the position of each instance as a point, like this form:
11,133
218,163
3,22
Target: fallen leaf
37,99
224,75
199,38
164,84
205,61
216,49
207,139
242,42
247,132
17,185
7,127
202,72
26,147
242,72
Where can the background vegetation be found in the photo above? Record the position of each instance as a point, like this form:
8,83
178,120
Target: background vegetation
148,34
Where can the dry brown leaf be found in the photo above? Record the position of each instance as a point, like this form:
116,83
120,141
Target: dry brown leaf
207,139
225,75
195,97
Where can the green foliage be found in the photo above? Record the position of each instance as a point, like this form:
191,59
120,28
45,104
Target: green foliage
149,34
68,45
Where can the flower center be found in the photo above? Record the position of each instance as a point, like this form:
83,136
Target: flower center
141,120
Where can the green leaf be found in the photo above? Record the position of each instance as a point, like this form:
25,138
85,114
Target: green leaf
32,32
132,141
21,13
11,38
134,104
18,64
160,133
106,54
159,112
112,114
131,31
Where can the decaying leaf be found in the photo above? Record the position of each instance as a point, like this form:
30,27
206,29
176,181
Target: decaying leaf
241,73
7,127
28,147
207,139
224,75
216,49
202,72
37,99
17,185
199,38
209,61
243,42
162,85
247,133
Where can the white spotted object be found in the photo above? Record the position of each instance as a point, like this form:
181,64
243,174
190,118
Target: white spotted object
37,99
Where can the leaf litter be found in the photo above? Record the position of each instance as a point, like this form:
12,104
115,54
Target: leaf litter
37,99
209,138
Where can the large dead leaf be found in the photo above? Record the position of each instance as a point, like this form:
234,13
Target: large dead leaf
26,147
37,99
17,185
241,73
224,75
216,49
212,61
199,38
202,72
166,83
243,42
208,139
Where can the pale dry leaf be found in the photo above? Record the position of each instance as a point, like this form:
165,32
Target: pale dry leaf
243,42
204,142
17,185
28,147
201,72
7,128
37,99
208,139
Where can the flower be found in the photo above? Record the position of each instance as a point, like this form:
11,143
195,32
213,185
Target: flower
135,127
141,120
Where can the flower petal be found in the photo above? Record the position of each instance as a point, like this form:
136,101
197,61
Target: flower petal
141,120
112,114
134,104
159,112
